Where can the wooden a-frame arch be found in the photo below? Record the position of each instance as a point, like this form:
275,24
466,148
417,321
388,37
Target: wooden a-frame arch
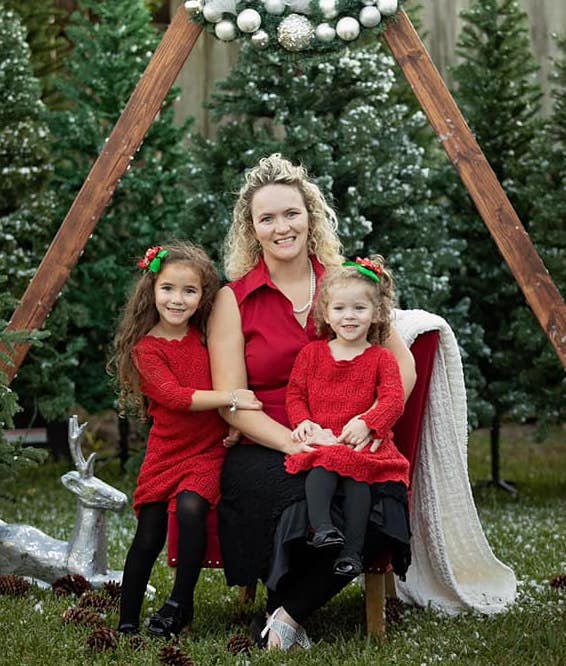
443,114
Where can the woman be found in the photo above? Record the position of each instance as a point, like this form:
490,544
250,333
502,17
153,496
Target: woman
282,238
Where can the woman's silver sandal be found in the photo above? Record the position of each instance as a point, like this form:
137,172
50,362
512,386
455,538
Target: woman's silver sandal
287,635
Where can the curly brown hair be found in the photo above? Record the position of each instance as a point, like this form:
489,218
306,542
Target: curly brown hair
241,249
140,315
381,294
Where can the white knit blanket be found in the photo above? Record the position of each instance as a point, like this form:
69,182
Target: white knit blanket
453,567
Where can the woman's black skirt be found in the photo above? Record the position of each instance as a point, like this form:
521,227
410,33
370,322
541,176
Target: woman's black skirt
263,512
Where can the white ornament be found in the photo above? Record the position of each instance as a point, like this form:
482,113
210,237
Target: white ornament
369,2
225,30
325,32
260,39
328,8
370,16
211,14
276,7
295,32
248,20
193,7
387,7
348,28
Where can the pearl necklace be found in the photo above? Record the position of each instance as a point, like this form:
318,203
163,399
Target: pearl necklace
312,287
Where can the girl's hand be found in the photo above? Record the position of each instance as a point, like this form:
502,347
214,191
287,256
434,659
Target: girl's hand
303,431
322,436
244,399
355,434
232,438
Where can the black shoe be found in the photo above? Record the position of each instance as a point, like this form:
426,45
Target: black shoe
128,629
256,627
349,566
326,536
169,620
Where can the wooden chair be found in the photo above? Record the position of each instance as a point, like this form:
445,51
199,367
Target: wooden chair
379,577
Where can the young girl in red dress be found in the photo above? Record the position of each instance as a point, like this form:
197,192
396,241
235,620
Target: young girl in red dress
162,366
352,386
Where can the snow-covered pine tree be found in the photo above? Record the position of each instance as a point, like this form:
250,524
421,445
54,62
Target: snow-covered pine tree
338,116
113,43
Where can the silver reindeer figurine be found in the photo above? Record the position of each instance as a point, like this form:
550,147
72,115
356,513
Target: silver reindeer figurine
26,551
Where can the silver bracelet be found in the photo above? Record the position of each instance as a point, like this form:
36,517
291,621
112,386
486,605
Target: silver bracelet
233,402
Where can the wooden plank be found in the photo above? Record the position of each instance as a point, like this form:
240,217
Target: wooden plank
375,604
480,180
97,190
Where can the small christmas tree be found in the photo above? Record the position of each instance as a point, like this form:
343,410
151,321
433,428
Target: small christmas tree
113,43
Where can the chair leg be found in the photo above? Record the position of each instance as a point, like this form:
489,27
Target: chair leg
390,591
247,594
375,604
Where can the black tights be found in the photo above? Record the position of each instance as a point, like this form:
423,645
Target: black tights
148,542
320,488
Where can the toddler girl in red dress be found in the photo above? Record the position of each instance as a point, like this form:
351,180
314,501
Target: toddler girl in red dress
162,366
351,385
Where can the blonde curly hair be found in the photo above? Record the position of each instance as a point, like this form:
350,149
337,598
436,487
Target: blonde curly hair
241,248
381,294
140,316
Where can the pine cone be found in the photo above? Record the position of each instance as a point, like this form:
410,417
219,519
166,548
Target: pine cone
559,582
13,586
113,589
239,644
81,616
71,584
102,639
136,642
170,655
394,610
98,601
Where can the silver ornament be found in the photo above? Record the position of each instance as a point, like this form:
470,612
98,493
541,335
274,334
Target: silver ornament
275,7
387,7
225,30
348,28
328,8
26,551
370,16
325,32
295,32
248,20
260,39
211,14
193,7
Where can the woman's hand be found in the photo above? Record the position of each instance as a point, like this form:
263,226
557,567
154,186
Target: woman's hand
355,433
232,438
322,436
244,399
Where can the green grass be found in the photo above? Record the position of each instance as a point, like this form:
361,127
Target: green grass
527,532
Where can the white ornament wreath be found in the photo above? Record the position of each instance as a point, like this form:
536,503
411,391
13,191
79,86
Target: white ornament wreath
294,25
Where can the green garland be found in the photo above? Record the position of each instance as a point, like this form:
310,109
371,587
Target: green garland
268,36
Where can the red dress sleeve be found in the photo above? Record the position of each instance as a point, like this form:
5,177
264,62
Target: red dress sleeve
297,399
158,382
390,394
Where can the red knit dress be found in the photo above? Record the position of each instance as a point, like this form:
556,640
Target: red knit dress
331,392
184,449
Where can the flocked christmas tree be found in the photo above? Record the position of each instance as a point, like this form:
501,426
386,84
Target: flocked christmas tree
339,117
27,211
499,97
113,43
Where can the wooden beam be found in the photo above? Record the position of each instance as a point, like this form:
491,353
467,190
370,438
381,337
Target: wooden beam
96,192
480,180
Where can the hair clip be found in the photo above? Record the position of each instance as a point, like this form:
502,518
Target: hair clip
366,267
152,259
